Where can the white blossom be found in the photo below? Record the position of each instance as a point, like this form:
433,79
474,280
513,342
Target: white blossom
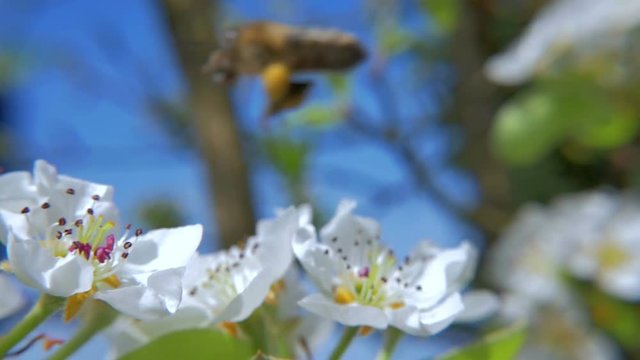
222,287
362,284
69,245
563,25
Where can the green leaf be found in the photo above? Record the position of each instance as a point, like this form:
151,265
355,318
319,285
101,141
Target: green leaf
445,13
201,344
320,115
616,126
287,155
503,344
567,109
340,83
528,128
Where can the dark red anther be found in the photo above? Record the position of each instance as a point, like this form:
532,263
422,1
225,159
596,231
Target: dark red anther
96,197
363,272
110,242
25,210
102,254
71,191
45,205
62,221
83,249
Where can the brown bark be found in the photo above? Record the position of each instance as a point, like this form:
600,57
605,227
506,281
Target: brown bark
191,22
474,105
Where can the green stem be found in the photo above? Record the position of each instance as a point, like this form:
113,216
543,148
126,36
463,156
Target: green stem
392,337
99,316
347,337
41,310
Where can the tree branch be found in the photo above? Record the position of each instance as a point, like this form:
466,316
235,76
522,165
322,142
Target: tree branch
191,21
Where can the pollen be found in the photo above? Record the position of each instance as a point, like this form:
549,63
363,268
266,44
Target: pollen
276,289
343,296
397,305
230,328
112,281
74,304
272,298
365,330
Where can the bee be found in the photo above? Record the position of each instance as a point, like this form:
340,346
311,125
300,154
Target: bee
276,52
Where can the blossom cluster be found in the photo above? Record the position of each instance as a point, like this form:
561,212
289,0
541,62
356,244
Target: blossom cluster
64,238
592,237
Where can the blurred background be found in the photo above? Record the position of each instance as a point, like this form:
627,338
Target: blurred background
463,112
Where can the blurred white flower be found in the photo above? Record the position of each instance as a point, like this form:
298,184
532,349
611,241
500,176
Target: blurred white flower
561,25
557,332
11,299
528,257
593,236
68,246
310,330
362,284
229,285
612,258
226,286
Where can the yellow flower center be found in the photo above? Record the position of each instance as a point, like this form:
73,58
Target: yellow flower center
611,255
75,302
343,296
397,305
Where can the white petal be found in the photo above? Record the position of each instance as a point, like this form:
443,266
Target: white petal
276,237
12,298
46,178
478,305
16,191
37,267
164,249
17,223
248,300
349,315
160,297
274,256
427,322
347,233
443,273
320,267
623,283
